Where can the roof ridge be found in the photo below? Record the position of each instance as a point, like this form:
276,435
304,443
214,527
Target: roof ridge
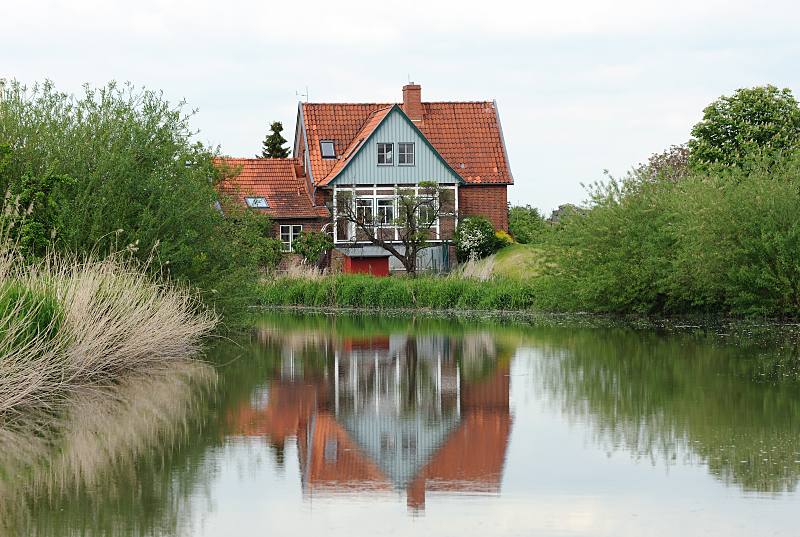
488,101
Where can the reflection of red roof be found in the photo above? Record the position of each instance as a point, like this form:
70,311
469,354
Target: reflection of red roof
289,405
333,462
466,134
274,179
472,458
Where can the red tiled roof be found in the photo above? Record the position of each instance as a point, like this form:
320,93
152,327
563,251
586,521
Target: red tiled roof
373,120
466,134
274,179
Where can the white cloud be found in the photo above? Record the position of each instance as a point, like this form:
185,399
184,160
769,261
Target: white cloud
582,85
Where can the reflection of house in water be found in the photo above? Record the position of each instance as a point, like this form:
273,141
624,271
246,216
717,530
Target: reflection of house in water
388,413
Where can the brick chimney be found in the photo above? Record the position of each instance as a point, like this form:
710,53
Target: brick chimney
412,102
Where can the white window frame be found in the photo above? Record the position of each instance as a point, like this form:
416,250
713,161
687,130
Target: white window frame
366,202
292,231
351,227
401,154
254,202
382,145
380,203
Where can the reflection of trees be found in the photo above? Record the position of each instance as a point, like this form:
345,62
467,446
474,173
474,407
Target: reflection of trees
103,456
671,396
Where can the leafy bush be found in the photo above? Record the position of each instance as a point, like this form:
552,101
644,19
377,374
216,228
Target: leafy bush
117,167
312,245
724,241
525,224
503,239
475,238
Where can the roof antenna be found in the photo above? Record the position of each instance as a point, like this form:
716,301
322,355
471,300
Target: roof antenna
298,94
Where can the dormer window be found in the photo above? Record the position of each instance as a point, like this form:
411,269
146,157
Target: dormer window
405,154
385,154
257,202
328,149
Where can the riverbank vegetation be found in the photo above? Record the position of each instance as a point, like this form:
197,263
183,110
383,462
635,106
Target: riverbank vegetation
70,324
118,167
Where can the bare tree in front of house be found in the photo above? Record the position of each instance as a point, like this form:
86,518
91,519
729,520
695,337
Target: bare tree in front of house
403,230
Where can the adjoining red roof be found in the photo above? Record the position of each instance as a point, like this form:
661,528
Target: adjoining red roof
274,179
466,134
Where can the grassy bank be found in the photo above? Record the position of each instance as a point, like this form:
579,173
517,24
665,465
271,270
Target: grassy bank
426,292
68,325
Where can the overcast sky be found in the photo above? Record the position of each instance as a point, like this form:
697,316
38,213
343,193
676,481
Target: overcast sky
582,86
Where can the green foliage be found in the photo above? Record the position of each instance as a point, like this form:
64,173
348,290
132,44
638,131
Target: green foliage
426,292
117,167
502,239
723,242
525,224
31,313
273,143
475,238
312,245
751,123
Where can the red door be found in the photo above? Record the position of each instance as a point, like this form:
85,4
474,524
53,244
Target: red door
377,266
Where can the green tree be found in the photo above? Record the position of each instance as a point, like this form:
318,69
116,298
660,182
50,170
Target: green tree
311,245
749,123
273,143
138,181
526,224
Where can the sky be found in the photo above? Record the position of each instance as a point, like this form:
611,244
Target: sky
582,86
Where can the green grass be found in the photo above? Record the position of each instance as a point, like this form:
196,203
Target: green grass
398,292
514,262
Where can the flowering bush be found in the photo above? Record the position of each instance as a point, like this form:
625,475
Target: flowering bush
475,238
503,239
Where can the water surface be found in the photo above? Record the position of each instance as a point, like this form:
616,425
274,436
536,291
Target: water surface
361,425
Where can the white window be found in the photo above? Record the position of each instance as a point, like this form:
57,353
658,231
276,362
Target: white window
288,236
405,154
257,202
427,214
385,211
385,154
328,149
364,210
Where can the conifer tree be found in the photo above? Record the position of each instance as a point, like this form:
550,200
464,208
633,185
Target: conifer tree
273,143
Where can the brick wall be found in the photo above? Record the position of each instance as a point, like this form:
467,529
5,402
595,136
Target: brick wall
309,224
485,200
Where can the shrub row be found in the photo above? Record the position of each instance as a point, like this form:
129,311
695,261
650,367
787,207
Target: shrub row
428,292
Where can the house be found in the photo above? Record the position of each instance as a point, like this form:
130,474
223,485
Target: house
358,427
371,150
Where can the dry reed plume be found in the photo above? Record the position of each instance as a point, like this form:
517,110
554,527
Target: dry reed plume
67,325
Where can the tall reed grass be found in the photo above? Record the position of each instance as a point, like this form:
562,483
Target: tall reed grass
67,324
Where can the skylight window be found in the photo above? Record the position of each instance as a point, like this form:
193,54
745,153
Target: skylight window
328,149
257,202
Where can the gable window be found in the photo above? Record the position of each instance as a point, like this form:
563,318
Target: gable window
405,154
385,154
257,202
364,210
288,236
385,212
328,149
